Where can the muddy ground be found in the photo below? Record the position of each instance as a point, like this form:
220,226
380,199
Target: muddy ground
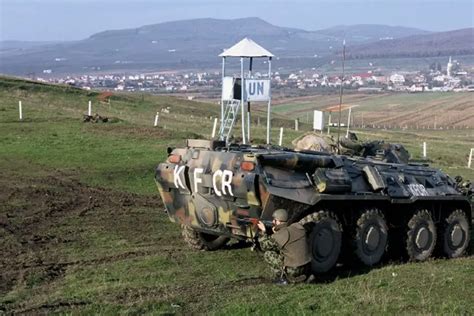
46,225
36,216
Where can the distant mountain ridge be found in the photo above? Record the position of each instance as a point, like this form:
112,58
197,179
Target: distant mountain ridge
216,27
370,32
190,44
457,42
6,45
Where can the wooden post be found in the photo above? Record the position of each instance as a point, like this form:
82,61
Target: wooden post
280,141
470,158
214,128
20,110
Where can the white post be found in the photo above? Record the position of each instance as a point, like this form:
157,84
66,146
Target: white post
20,110
214,128
296,125
248,124
222,98
424,149
329,124
269,100
157,116
470,158
348,122
280,141
248,103
242,99
89,111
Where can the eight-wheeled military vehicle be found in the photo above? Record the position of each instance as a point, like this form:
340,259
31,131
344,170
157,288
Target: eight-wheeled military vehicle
218,190
358,204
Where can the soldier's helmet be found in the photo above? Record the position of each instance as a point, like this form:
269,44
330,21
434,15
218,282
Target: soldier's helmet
281,215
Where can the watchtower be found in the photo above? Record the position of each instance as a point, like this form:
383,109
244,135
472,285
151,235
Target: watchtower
236,91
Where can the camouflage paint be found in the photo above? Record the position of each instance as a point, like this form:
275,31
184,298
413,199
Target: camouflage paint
298,181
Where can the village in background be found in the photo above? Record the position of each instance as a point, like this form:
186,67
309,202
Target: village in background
452,76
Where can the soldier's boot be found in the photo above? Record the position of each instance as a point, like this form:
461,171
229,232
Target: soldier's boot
310,279
280,281
298,279
281,278
298,274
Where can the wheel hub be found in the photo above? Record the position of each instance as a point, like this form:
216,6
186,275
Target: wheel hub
422,238
372,239
457,235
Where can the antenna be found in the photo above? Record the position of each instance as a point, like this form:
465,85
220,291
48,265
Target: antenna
340,98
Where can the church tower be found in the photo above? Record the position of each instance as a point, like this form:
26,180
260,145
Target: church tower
450,67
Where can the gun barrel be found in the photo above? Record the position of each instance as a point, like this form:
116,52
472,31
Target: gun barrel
297,161
254,221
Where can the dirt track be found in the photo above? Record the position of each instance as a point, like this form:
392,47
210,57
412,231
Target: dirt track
31,210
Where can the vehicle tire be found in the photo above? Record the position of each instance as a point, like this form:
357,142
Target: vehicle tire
455,234
325,239
202,241
371,235
421,236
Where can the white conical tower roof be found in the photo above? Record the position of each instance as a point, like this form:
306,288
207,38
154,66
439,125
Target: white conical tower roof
246,48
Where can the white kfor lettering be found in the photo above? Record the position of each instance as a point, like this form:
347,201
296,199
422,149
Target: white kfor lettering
216,174
226,181
196,178
177,179
417,189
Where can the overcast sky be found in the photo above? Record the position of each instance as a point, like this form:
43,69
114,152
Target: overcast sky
41,20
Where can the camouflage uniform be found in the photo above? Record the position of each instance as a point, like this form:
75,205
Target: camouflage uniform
275,259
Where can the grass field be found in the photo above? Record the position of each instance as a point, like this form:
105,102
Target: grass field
82,228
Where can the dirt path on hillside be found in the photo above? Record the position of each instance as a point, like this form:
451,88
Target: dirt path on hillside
38,230
33,211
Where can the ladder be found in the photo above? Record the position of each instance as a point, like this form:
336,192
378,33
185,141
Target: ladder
231,110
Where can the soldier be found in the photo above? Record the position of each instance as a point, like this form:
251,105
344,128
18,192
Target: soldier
286,250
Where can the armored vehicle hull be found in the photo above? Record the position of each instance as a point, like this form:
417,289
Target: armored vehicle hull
348,205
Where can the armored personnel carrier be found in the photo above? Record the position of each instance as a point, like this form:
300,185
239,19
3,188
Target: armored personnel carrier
348,204
217,192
